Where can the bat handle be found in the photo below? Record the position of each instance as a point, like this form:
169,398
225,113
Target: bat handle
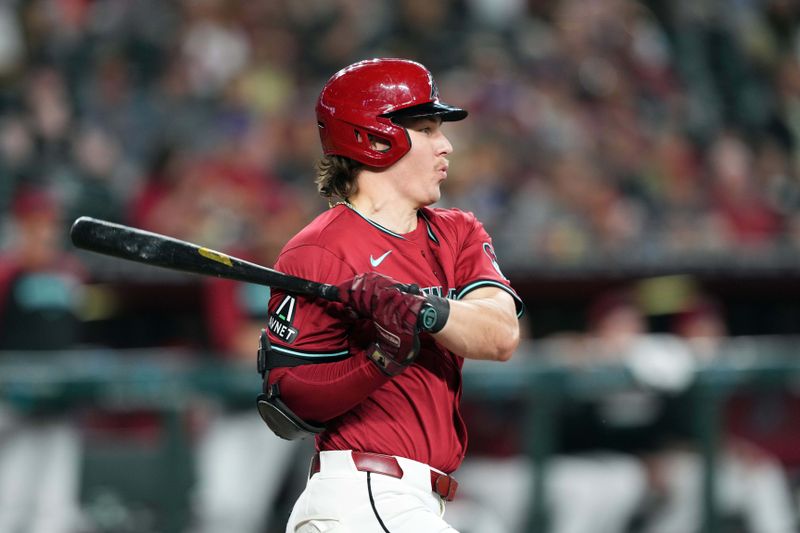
329,292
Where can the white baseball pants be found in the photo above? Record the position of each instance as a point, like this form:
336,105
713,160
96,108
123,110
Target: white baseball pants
341,499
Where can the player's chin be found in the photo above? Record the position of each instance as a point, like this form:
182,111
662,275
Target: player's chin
435,195
429,199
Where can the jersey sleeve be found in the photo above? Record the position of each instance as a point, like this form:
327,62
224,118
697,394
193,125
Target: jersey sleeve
319,332
477,265
303,327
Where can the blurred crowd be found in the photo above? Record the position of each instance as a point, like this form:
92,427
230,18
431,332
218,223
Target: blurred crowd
642,443
658,129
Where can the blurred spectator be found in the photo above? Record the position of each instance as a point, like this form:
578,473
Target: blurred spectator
214,46
585,492
736,196
626,460
701,324
649,420
590,487
113,104
614,120
98,171
624,429
164,199
40,303
750,483
239,461
241,467
51,117
42,284
17,157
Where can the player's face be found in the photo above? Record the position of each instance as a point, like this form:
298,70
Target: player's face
423,169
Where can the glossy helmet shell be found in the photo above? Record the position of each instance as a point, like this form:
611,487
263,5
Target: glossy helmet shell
360,103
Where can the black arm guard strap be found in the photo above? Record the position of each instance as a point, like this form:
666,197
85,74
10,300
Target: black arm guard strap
434,314
435,311
276,414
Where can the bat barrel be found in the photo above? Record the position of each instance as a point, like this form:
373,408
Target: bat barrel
154,249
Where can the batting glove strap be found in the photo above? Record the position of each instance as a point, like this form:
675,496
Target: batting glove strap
434,314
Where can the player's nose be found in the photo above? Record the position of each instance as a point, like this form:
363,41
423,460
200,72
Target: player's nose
443,146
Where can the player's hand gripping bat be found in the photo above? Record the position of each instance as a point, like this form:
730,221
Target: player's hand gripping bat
150,248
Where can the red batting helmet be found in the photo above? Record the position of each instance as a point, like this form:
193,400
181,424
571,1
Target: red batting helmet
360,102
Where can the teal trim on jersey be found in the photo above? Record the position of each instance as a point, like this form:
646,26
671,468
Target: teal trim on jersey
431,234
486,282
311,355
390,232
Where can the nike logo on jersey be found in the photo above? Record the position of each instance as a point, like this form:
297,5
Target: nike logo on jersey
378,261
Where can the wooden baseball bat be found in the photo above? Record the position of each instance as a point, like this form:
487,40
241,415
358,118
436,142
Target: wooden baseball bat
150,248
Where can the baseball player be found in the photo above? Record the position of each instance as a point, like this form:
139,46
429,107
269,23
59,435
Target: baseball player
377,378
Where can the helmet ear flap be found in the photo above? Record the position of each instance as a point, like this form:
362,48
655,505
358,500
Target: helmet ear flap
371,141
386,149
378,146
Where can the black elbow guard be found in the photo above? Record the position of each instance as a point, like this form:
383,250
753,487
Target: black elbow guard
276,414
282,420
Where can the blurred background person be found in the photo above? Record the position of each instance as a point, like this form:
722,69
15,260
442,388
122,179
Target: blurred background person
616,433
41,296
591,484
751,485
650,421
240,468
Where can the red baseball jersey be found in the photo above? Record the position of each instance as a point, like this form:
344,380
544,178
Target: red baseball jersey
415,414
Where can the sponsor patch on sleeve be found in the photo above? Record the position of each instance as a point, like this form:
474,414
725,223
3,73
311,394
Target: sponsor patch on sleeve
280,321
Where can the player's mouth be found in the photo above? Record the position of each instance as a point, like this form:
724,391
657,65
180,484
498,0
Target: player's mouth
441,170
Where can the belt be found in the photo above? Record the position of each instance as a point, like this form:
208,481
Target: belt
442,484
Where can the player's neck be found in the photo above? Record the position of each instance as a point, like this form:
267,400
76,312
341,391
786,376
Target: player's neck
392,215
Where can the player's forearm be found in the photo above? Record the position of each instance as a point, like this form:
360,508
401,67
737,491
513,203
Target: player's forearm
324,391
482,327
